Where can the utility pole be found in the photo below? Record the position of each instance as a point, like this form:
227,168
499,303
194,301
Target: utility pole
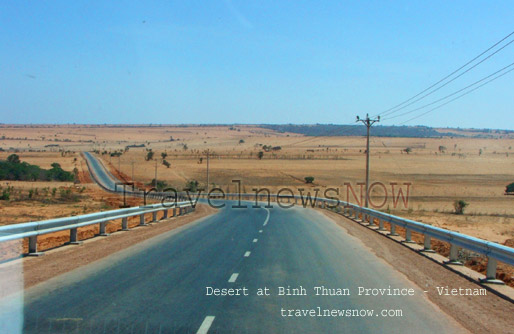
207,188
119,164
132,171
155,178
368,122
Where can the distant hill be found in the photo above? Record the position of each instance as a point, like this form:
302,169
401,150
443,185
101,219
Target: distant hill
325,130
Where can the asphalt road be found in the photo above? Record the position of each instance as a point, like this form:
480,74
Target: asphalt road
161,287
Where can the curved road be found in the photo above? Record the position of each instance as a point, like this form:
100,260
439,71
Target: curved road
161,287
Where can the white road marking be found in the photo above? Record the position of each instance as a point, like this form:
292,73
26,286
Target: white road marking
254,240
233,278
267,218
206,324
247,254
260,231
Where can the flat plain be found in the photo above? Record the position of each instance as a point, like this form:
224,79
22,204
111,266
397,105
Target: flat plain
439,170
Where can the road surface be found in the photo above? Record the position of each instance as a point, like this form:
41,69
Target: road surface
162,287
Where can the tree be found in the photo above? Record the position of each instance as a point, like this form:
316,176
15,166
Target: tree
459,206
510,188
241,141
442,149
149,155
164,155
408,150
260,155
14,158
309,179
165,163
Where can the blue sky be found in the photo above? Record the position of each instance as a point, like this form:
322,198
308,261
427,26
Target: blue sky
248,61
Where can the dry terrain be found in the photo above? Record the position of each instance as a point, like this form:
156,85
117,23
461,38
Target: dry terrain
439,170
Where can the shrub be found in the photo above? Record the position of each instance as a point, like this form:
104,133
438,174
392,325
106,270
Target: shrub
6,195
309,179
459,206
509,188
260,155
192,185
166,163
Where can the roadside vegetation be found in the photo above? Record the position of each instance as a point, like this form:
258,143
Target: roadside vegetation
14,169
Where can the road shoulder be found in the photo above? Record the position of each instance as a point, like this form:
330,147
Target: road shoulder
478,314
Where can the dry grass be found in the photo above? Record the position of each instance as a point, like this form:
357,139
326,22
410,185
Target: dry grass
437,178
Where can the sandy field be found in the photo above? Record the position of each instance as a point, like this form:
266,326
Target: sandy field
439,170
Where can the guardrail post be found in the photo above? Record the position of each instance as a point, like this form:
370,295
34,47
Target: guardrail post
371,220
74,237
381,225
142,220
491,272
174,212
33,247
154,216
124,224
103,233
165,214
427,245
454,255
408,236
356,213
393,230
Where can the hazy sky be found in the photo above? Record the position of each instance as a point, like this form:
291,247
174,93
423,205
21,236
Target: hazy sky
248,61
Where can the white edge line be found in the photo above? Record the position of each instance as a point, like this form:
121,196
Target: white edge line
267,218
206,324
247,254
233,278
254,240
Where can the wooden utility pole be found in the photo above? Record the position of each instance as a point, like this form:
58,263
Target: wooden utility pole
368,122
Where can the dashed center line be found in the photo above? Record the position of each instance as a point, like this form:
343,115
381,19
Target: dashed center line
233,278
247,254
260,231
254,240
206,324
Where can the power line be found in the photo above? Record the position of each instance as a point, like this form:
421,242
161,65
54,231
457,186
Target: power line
449,95
458,97
402,105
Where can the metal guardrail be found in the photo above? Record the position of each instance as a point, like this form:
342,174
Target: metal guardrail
493,251
34,229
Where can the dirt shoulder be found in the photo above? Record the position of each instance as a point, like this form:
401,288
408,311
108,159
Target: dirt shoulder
64,259
478,314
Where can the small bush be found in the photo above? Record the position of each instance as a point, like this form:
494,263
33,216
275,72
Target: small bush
309,179
6,195
459,206
192,186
